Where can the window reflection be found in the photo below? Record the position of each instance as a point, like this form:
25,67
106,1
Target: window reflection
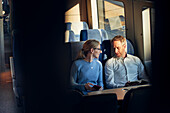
113,18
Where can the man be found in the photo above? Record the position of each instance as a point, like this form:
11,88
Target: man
123,69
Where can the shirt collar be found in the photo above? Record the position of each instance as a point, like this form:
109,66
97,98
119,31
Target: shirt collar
126,56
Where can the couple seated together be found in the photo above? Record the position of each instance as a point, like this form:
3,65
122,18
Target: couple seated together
120,71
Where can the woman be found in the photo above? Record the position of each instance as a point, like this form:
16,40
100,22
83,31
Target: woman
87,71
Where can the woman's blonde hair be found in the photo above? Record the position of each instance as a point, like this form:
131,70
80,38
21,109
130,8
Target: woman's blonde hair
87,47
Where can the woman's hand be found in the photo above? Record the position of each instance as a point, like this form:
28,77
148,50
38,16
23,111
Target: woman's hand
88,87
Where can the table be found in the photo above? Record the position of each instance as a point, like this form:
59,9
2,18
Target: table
120,92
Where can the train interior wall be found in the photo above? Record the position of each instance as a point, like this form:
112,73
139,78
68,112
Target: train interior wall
42,55
44,58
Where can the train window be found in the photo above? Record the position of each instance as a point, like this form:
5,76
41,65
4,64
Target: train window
75,19
76,11
112,17
148,23
73,14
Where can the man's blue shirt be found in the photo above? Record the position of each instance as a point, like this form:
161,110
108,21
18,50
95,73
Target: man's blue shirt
118,71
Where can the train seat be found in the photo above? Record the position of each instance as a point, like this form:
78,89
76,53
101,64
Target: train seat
137,100
148,67
73,98
130,48
74,48
102,103
18,80
13,77
76,27
112,32
70,36
98,34
108,52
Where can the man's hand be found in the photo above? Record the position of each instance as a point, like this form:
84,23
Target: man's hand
132,83
127,84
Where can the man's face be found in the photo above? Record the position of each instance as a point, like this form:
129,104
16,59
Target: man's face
119,49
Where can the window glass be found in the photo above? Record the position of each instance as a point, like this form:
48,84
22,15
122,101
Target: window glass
112,17
73,14
148,23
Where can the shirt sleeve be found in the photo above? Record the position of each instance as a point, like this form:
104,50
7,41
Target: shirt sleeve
109,75
73,78
100,78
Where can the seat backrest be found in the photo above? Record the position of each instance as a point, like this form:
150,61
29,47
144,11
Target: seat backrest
17,56
13,77
74,48
97,34
107,49
104,35
102,103
12,67
18,80
73,98
114,32
137,100
148,67
70,36
76,27
130,48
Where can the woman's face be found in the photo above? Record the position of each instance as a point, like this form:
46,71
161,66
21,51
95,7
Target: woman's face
97,51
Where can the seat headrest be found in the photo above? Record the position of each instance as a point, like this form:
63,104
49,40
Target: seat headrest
76,27
73,29
70,36
130,48
108,52
97,34
75,48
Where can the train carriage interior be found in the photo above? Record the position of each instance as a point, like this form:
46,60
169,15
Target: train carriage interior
39,41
